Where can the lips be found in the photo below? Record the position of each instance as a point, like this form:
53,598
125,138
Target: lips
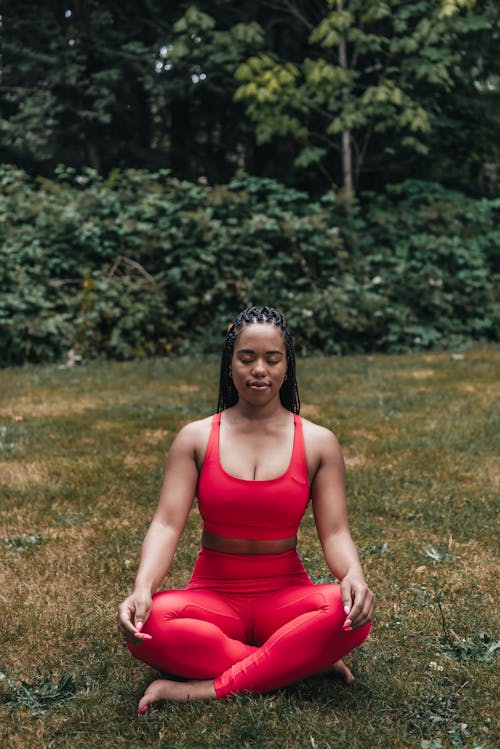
258,385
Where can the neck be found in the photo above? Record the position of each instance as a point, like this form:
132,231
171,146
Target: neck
254,413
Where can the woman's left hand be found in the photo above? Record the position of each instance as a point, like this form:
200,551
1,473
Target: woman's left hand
358,601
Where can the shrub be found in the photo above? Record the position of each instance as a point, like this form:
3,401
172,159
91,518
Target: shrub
143,263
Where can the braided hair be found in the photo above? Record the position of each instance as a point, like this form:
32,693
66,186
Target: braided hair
289,393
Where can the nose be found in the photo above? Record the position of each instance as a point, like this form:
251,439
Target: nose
259,368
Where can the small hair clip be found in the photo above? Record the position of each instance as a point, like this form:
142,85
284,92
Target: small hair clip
230,327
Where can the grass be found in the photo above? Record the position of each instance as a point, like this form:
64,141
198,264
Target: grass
81,456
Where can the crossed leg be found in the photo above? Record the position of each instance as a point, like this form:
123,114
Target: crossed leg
299,633
196,634
200,634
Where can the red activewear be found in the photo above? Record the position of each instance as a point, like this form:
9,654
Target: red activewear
237,508
250,622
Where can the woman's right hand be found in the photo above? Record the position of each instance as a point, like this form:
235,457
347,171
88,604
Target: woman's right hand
132,614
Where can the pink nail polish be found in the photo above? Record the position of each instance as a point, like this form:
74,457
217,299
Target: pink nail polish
139,626
144,710
346,609
347,628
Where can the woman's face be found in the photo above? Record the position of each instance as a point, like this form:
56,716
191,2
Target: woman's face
259,362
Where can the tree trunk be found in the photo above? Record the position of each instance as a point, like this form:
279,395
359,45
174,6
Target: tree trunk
181,134
93,155
347,175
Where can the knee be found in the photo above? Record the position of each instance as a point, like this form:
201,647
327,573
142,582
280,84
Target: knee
167,604
332,605
334,610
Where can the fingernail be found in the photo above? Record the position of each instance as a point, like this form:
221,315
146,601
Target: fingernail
139,626
346,609
346,628
143,709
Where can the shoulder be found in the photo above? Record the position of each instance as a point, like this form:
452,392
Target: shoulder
190,443
195,431
321,443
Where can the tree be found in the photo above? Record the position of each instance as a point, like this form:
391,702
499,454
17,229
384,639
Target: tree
122,84
76,81
205,131
356,93
371,86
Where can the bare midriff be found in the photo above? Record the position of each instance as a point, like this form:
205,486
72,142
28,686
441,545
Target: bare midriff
214,542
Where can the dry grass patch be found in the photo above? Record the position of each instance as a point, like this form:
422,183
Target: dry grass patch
365,435
52,405
155,436
183,388
310,411
15,473
135,460
420,374
352,461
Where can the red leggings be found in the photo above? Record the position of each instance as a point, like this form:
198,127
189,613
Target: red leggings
251,623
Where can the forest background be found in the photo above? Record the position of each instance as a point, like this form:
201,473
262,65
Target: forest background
166,164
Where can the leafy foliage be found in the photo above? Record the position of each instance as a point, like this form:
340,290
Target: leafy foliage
21,542
480,647
212,86
380,72
143,263
40,695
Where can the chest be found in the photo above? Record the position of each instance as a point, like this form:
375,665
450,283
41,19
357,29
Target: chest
256,456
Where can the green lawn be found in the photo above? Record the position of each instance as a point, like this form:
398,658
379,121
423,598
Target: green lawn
81,456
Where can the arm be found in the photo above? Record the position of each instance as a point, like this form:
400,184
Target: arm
330,514
158,549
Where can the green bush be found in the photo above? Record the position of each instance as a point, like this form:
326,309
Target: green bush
143,263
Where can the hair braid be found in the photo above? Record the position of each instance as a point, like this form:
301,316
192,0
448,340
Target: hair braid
289,393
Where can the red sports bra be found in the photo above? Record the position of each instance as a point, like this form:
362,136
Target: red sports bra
260,509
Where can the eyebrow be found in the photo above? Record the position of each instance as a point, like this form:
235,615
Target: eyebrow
251,351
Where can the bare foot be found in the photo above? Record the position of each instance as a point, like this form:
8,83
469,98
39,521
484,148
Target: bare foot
340,669
175,691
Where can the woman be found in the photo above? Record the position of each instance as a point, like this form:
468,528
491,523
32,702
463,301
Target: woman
250,618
